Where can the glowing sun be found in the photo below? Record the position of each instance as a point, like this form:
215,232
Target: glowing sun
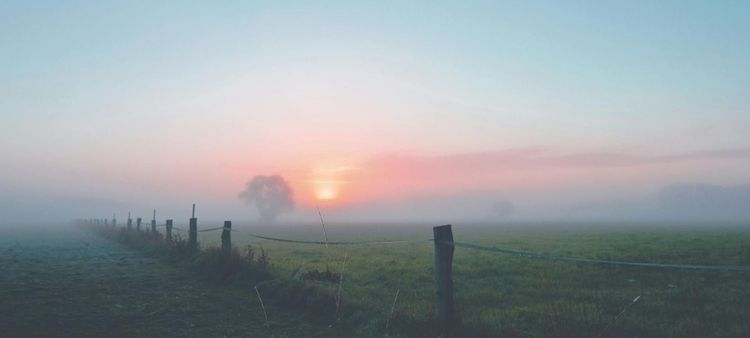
328,183
324,193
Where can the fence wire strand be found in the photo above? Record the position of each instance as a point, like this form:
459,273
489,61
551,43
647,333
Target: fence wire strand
495,249
336,242
593,260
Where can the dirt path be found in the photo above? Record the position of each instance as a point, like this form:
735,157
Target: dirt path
67,282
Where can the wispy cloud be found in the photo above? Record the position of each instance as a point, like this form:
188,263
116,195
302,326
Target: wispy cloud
541,158
398,175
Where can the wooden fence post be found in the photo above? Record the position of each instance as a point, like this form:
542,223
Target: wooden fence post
153,223
138,224
168,232
193,233
130,221
444,275
114,220
226,238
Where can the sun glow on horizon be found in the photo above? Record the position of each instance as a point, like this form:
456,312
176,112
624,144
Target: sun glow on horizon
326,193
327,182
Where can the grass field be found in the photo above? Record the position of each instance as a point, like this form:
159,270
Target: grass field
64,281
71,282
500,294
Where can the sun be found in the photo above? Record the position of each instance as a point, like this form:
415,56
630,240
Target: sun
328,183
326,193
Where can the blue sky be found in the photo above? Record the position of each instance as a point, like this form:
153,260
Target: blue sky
234,88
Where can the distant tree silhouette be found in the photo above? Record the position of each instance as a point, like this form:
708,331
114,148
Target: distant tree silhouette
271,195
503,209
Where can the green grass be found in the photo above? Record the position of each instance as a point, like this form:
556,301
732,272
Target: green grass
62,281
500,294
496,294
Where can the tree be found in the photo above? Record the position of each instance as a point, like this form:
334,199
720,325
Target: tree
503,209
271,195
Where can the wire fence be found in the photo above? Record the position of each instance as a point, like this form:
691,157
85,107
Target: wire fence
594,260
495,249
486,248
408,289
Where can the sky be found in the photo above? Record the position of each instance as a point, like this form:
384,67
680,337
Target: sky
376,110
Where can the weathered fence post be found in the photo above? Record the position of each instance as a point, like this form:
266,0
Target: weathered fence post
130,221
153,223
193,233
138,224
168,232
114,220
226,238
444,275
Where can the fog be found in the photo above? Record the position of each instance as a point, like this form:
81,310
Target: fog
684,202
271,196
493,112
705,201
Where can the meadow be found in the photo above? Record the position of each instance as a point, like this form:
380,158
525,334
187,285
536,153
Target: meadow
505,295
70,281
64,281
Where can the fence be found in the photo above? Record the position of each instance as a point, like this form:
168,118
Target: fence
444,247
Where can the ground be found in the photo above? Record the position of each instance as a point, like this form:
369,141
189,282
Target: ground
65,281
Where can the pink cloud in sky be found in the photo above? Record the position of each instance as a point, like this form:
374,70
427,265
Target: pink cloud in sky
399,176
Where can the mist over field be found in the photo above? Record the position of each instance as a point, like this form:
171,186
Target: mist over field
373,114
687,202
332,168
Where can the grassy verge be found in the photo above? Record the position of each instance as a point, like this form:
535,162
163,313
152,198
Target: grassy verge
307,293
496,295
505,295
